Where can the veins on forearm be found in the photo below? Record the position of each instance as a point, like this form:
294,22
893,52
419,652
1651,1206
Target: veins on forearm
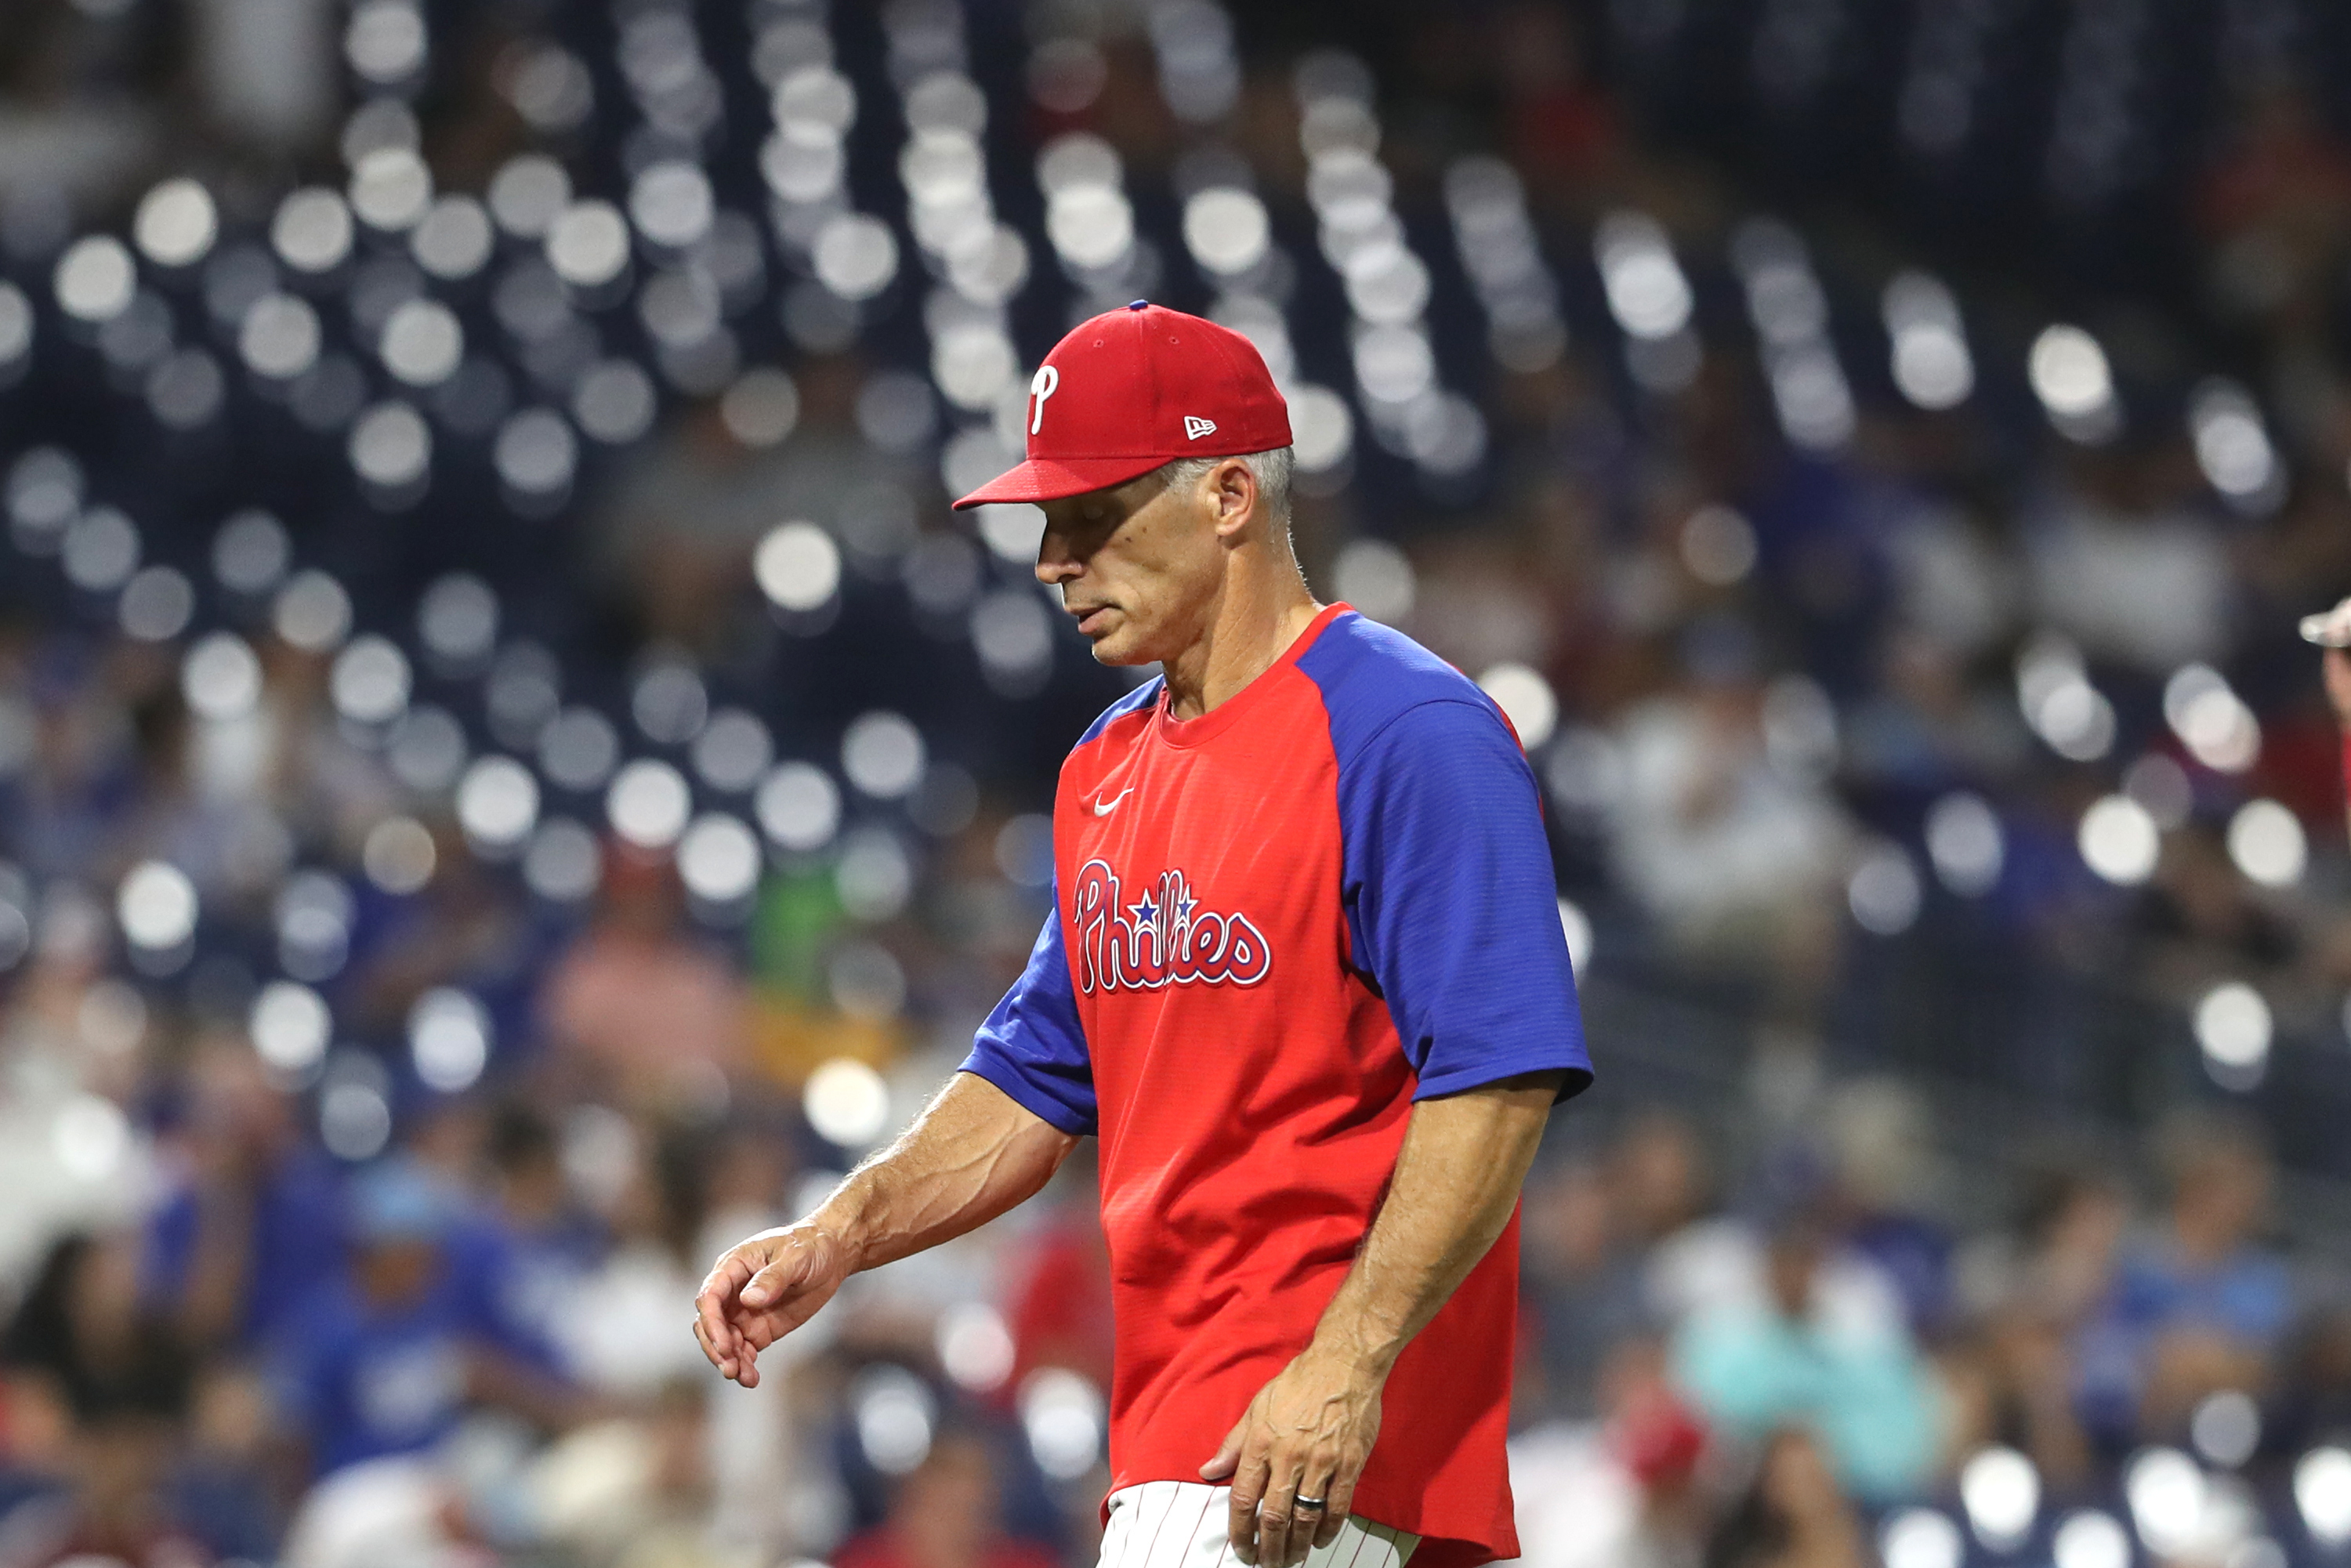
963,1162
1457,1181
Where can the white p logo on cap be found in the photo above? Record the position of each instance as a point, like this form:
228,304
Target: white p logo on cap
1043,385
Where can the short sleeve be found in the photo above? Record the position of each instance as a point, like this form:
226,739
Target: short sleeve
1032,1046
1451,904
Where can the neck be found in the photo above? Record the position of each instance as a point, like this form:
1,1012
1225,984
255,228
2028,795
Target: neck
1260,610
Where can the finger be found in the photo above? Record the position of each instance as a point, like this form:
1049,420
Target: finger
1303,1524
710,1304
1308,1524
1229,1455
702,1338
710,1326
1338,1503
720,1349
1249,1486
734,1362
1275,1509
774,1282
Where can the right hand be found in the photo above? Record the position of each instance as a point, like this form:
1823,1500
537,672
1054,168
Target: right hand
762,1290
2336,663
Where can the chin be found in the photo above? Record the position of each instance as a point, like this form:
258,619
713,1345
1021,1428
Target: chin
1118,648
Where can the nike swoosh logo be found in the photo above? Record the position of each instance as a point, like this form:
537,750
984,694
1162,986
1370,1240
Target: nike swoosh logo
1104,808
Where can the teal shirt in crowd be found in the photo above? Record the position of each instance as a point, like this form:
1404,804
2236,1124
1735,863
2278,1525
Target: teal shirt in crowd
1863,1395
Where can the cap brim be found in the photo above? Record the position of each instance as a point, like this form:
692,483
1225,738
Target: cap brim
1050,479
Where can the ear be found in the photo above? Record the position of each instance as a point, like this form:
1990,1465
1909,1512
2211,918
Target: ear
1232,494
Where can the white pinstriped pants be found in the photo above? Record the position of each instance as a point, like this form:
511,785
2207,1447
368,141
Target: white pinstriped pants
1183,1524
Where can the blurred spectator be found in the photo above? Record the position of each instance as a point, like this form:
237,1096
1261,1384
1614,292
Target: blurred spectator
637,1007
636,1491
2123,565
1792,1516
1628,1492
1058,1295
2198,919
1659,1180
2026,1294
616,1329
760,1485
231,1488
76,777
253,1225
266,69
81,114
1586,1291
1926,728
466,928
943,1515
118,1506
1561,130
1735,855
228,843
1853,1384
2197,1304
676,543
2311,1389
1698,1259
2276,201
390,1509
2057,1261
83,1330
544,1247
382,1360
120,1379
1879,1136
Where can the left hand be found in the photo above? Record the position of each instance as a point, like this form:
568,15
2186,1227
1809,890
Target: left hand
1307,1433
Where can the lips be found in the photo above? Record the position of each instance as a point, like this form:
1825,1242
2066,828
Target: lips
1090,617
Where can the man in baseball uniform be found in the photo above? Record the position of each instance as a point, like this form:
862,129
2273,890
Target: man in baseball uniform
1304,979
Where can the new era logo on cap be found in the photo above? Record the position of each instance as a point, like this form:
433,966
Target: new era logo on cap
1131,390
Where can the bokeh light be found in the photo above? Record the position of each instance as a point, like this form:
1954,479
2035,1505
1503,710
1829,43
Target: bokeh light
647,803
847,1102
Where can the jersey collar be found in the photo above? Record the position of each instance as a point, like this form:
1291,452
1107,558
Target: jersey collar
1189,732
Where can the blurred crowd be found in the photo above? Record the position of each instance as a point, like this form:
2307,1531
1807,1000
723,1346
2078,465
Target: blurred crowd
511,778
1782,1380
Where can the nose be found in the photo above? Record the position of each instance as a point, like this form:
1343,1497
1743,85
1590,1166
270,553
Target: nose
1056,562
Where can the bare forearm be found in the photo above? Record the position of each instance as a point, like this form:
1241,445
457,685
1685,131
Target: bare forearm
1457,1181
972,1153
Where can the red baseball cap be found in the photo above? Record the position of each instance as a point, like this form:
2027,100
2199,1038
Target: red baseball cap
1132,389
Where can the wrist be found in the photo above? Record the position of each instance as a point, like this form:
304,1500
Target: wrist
844,1221
1358,1353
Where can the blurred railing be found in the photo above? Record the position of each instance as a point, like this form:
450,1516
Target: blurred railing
2016,1068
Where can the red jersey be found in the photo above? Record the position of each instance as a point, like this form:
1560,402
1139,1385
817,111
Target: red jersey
1277,926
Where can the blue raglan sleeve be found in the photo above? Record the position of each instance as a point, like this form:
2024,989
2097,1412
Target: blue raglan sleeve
1032,1046
1451,902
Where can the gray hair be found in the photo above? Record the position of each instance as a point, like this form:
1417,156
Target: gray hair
1271,469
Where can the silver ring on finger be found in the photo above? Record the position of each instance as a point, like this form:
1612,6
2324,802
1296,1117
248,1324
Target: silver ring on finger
1313,1503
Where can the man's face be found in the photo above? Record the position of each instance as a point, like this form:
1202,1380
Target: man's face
1139,565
